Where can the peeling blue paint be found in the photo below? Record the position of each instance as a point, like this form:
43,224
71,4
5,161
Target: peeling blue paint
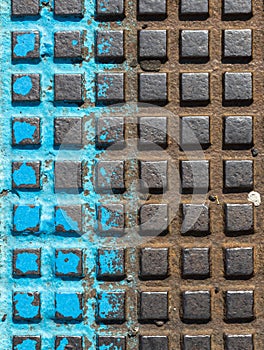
67,263
74,42
22,85
110,262
46,240
103,88
108,219
28,344
104,46
68,305
27,262
25,175
63,343
25,44
62,218
26,217
24,306
110,347
108,303
23,130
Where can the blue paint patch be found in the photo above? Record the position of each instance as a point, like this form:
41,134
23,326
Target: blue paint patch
104,46
63,343
25,175
23,131
111,346
110,262
109,219
22,85
68,306
63,219
25,44
24,306
26,218
67,263
75,42
104,87
27,344
27,262
109,304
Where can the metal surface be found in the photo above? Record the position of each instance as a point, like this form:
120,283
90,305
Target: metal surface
129,227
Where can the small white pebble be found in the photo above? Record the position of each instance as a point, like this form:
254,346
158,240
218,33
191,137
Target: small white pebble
254,197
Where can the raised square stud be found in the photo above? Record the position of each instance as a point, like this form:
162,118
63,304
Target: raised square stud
194,46
111,307
195,89
110,264
68,263
68,175
65,343
25,132
238,132
153,219
239,306
153,306
26,307
110,176
152,9
152,132
154,176
26,218
237,9
68,219
111,343
196,219
238,175
110,218
195,176
68,88
237,45
194,9
68,132
196,306
239,342
25,88
154,263
153,88
199,342
68,45
239,219
110,46
110,88
110,132
196,263
110,9
153,342
69,307
25,8
195,132
239,262
28,342
26,175
238,89
26,263
25,45
68,8
153,44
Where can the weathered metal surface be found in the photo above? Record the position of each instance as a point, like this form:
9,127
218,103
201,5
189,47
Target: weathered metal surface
129,227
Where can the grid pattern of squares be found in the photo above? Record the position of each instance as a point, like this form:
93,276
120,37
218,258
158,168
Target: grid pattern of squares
203,61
